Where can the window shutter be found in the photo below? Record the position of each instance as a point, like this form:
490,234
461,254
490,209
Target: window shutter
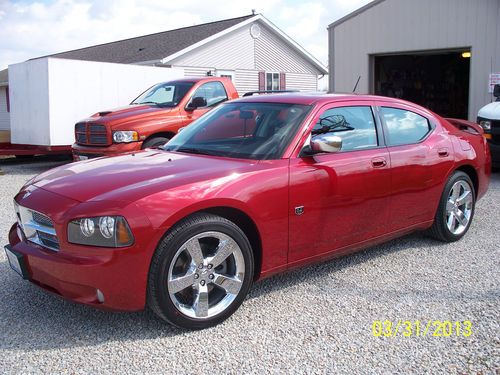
282,81
262,81
7,98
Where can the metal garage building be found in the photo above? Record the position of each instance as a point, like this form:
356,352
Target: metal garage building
438,53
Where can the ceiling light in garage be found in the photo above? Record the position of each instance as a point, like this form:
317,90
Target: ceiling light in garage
466,55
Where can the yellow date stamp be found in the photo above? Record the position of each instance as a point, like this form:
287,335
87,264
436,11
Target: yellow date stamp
424,328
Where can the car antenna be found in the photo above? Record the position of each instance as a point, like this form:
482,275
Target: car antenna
356,85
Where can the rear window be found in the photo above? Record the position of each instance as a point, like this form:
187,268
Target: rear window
403,126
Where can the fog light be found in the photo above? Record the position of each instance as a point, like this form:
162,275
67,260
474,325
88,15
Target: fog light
100,296
87,227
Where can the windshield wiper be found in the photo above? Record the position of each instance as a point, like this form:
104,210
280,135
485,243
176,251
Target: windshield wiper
192,150
147,103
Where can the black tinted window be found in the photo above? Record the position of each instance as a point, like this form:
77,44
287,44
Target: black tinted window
355,125
404,127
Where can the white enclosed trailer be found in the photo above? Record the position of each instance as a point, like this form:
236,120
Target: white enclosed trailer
49,95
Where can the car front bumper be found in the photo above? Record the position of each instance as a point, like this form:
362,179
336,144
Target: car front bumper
88,152
107,279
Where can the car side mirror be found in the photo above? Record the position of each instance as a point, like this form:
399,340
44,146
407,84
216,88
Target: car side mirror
325,143
197,102
496,92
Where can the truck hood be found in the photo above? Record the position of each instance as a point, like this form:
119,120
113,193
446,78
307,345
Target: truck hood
490,111
132,176
128,113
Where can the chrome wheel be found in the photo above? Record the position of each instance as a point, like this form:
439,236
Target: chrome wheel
206,275
459,207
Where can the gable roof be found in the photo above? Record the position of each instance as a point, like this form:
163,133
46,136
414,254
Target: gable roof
150,47
167,45
355,13
258,17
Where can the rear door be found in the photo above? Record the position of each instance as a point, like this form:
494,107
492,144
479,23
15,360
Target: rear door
421,157
339,199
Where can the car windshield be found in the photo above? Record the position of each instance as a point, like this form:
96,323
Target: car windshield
167,94
260,131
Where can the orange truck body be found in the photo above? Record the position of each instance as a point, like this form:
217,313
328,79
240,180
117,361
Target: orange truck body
150,124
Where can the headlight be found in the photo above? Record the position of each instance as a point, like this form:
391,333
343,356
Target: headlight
485,124
103,231
125,136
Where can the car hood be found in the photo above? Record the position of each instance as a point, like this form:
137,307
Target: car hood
127,113
132,176
490,111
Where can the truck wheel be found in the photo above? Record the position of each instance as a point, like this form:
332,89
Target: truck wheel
201,272
154,142
456,209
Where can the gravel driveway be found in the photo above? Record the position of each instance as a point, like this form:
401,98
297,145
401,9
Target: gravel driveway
315,320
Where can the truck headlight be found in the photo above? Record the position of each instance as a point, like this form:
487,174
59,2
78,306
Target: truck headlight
485,124
125,136
102,231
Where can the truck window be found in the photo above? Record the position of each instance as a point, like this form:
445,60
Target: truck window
213,92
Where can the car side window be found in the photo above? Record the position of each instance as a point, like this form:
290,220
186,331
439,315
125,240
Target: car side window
354,125
403,126
213,92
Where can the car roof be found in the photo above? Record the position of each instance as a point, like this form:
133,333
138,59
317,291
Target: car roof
194,79
315,98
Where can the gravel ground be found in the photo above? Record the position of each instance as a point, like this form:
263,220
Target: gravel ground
315,320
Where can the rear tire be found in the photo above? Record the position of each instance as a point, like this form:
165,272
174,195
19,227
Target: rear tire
154,142
201,272
456,209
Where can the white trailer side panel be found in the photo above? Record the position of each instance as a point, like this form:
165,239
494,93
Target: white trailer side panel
78,89
48,96
29,102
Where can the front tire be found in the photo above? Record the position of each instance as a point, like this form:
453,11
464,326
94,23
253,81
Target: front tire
201,272
155,142
456,209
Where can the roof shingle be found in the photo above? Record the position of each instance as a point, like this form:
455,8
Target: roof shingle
150,47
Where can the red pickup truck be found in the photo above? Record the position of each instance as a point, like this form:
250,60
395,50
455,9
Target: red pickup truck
152,118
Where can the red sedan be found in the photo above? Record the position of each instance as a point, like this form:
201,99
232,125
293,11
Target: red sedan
257,186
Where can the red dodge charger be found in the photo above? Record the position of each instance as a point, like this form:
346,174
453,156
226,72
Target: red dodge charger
257,186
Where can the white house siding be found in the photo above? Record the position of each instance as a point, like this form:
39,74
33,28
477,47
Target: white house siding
4,115
238,51
192,71
408,25
301,82
232,51
274,55
246,80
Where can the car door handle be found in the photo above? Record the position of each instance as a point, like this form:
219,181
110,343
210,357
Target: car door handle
443,152
379,162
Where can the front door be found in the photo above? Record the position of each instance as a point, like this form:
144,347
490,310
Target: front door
213,94
339,199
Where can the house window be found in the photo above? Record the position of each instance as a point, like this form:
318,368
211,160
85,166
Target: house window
272,81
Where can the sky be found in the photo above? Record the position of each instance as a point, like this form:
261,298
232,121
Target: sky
30,29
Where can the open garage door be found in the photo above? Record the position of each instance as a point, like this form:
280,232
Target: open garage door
438,81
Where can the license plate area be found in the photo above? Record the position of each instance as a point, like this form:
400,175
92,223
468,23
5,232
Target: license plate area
17,262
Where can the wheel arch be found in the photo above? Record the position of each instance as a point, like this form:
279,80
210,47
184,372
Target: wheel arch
470,171
247,225
166,134
236,215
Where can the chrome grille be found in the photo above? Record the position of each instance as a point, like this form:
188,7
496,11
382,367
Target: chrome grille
42,219
37,227
91,134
